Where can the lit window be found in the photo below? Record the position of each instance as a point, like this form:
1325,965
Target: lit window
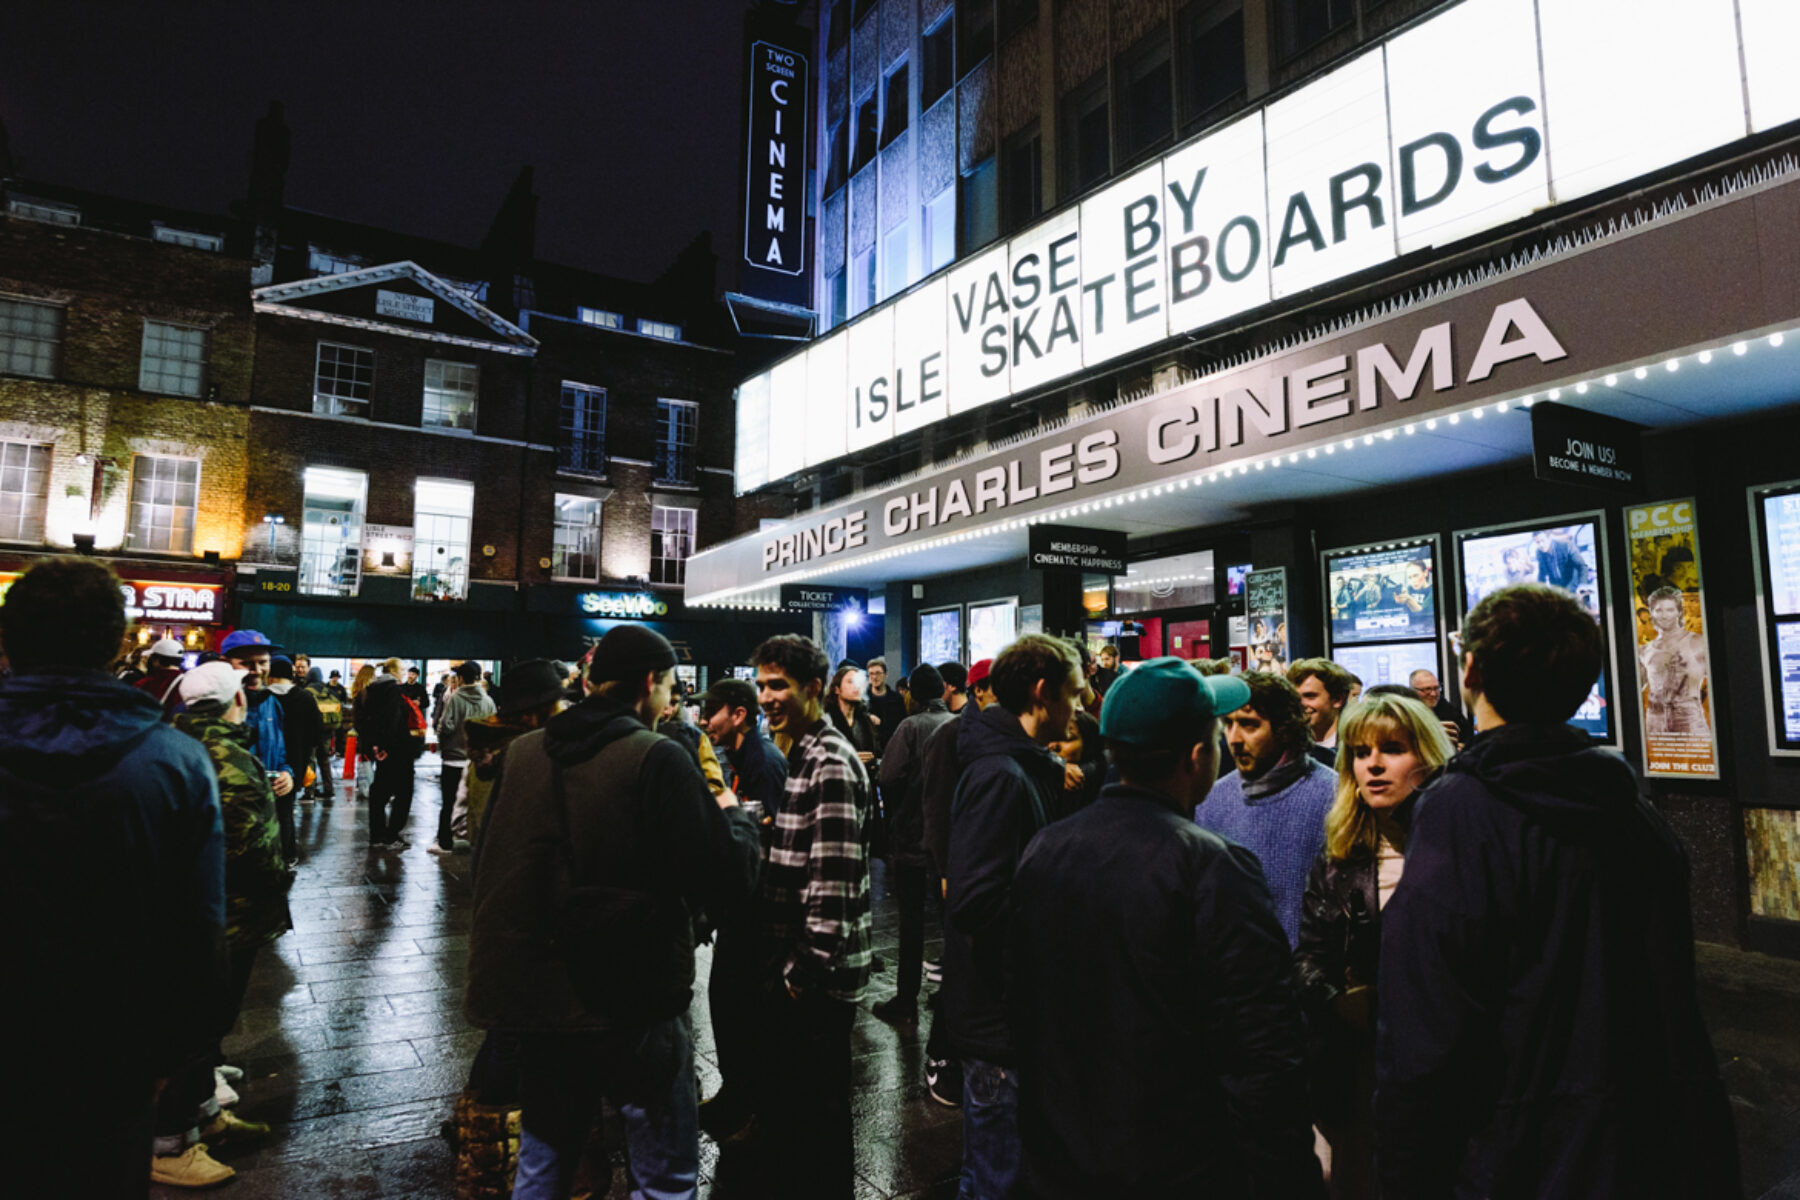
862,282
331,531
671,541
677,433
24,490
44,210
343,379
174,359
893,105
29,336
583,445
575,548
659,329
600,317
450,390
940,230
321,261
443,511
165,495
189,238
898,253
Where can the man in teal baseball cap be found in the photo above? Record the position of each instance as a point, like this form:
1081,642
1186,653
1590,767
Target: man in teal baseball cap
1150,979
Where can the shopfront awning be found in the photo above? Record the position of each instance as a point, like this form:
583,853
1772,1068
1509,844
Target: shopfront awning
1690,314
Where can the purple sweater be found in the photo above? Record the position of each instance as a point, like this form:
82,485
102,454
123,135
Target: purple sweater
1280,818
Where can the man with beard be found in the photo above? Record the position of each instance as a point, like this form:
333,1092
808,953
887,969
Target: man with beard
1274,804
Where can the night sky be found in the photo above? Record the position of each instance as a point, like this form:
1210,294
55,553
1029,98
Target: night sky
410,116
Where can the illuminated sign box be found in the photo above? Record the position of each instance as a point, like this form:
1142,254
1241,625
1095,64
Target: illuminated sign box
1415,143
629,606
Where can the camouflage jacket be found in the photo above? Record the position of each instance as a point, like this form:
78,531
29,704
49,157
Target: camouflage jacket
256,878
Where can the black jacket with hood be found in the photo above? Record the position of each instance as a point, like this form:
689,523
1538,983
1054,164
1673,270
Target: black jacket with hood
1539,1031
112,888
657,834
1009,790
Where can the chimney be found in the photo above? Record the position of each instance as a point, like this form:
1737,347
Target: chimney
268,187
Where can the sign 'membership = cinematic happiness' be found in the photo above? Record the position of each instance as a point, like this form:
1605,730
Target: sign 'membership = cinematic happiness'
1571,445
1068,546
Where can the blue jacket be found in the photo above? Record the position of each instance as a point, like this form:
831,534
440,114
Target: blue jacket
267,721
112,885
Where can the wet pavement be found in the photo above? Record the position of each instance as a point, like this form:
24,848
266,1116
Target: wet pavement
354,1044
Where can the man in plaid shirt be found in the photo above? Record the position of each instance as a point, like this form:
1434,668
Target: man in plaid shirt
815,895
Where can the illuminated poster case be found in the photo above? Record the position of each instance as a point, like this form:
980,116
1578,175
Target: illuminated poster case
1775,525
941,635
1383,619
1568,552
993,626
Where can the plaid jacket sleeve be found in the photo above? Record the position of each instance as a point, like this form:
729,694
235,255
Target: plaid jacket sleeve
835,896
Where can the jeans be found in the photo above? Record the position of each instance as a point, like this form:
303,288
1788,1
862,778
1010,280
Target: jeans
909,888
393,782
648,1074
990,1132
804,1104
449,776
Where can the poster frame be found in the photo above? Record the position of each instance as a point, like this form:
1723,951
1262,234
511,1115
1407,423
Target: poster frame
962,629
1779,747
1603,568
968,622
1706,640
1452,692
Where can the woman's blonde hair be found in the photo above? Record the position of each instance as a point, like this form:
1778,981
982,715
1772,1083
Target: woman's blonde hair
1351,823
365,675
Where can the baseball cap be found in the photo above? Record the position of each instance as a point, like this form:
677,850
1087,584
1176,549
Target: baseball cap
1160,703
980,671
218,681
166,648
247,638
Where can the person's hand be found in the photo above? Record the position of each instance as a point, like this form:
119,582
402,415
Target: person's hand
866,757
727,799
282,783
1453,733
380,754
1072,777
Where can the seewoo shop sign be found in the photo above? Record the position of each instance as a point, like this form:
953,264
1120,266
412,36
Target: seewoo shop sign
1438,133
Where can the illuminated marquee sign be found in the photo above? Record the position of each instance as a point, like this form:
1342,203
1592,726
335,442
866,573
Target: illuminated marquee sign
182,602
775,190
622,605
1418,142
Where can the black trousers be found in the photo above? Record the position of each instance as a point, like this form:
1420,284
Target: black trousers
735,1002
284,817
393,784
326,785
449,777
909,883
805,1102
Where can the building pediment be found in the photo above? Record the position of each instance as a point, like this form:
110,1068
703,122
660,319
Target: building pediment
400,298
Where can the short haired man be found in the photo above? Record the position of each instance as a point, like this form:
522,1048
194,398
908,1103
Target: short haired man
903,793
1324,689
250,651
1274,804
887,707
468,702
1540,1033
415,691
728,712
384,733
956,685
1009,790
1106,672
1431,695
1161,1047
112,982
302,724
815,902
601,841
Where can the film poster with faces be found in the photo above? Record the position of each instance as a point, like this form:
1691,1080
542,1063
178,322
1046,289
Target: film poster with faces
1266,608
1674,668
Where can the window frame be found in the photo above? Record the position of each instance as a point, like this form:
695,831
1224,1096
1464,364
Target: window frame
423,541
558,527
162,373
193,239
1290,41
425,410
676,565
937,61
674,416
29,449
58,317
599,318
1143,58
897,79
1077,106
1197,23
310,545
334,402
569,434
133,528
1027,141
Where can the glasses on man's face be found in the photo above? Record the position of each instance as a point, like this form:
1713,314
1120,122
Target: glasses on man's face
1433,690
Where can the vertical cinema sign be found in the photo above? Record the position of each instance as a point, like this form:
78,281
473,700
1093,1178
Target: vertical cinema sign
775,184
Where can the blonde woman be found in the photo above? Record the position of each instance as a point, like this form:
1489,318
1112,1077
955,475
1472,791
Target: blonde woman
1389,747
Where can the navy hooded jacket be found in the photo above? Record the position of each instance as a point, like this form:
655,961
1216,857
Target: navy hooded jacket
1539,1029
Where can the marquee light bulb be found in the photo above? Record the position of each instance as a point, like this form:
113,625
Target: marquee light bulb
1455,419
1477,414
1612,381
1368,439
1556,393
1641,373
1775,339
1705,356
1259,465
1740,348
1502,406
1673,365
1581,389
1411,429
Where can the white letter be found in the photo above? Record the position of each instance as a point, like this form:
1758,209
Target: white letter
1535,339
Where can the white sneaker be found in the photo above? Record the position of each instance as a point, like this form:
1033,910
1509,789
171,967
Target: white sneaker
438,850
228,1073
223,1092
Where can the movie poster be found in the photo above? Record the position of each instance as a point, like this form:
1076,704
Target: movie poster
1382,596
1674,669
1265,606
940,636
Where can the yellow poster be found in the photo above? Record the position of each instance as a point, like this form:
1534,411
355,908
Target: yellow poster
1674,668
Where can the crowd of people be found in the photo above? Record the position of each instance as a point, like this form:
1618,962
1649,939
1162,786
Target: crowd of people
1394,949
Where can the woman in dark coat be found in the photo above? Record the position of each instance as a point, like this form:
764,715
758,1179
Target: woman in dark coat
1389,747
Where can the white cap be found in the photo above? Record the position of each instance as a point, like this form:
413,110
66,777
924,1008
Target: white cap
212,681
167,648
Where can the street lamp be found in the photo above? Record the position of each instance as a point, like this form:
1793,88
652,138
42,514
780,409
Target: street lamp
272,520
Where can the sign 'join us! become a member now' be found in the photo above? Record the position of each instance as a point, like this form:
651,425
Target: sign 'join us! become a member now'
1437,133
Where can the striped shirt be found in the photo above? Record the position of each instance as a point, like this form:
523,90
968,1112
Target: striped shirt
815,887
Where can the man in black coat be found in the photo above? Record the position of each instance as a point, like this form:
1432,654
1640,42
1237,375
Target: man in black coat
1159,1040
1539,1031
